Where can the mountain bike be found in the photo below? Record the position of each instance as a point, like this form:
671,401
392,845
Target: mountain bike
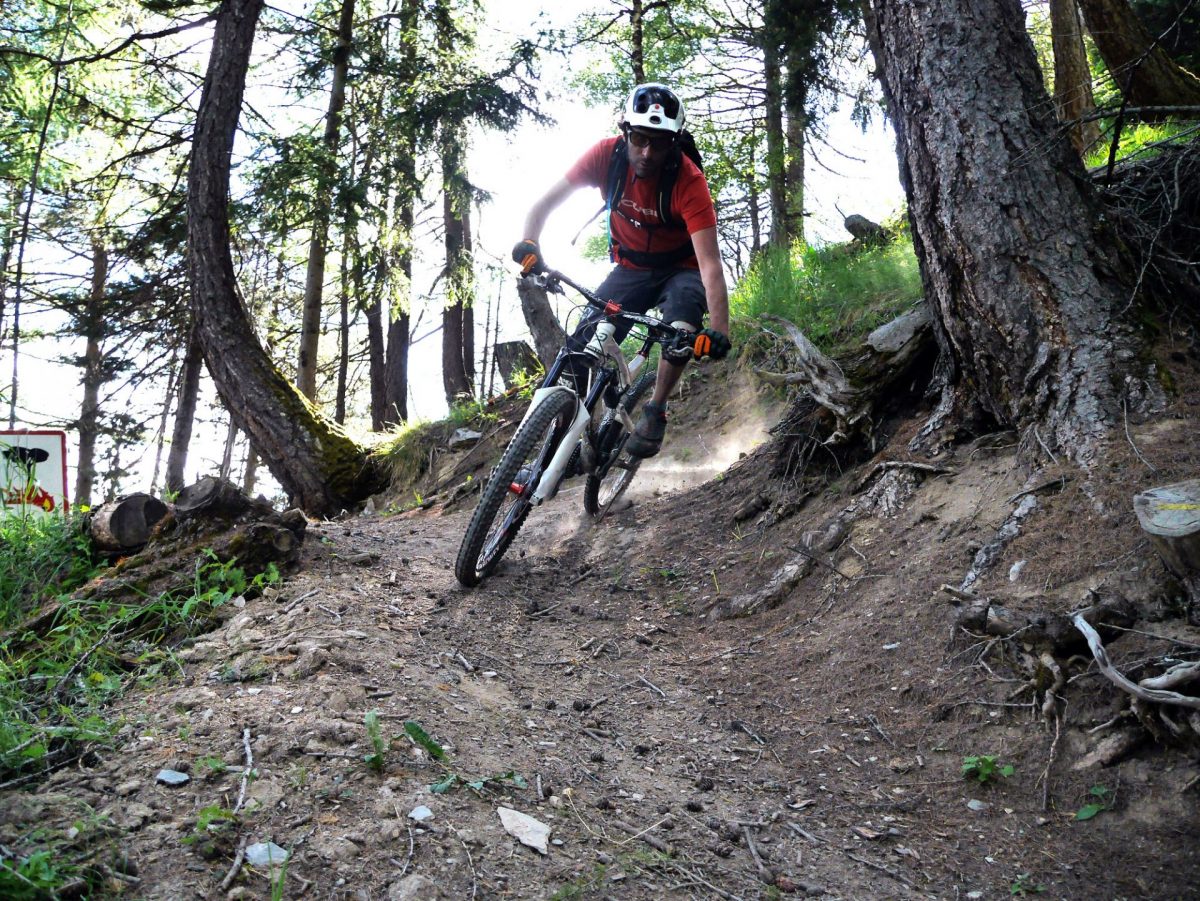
573,425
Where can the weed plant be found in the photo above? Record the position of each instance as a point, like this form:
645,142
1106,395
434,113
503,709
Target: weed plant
835,295
40,557
54,683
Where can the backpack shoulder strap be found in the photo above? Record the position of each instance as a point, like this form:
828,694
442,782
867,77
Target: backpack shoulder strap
614,183
666,187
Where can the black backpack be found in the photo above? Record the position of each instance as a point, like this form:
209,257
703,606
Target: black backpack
614,187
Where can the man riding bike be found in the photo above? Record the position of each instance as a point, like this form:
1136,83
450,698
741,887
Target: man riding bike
662,229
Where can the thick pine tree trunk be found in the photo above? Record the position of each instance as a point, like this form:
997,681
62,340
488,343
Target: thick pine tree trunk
310,329
185,412
456,324
317,464
776,156
1144,72
1019,274
793,174
93,378
1072,77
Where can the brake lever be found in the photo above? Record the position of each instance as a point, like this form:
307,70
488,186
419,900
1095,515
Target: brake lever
547,282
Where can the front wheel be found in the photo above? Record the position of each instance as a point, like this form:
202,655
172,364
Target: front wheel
506,498
615,468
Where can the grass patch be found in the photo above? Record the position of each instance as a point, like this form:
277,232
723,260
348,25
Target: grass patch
406,450
835,296
1135,139
40,557
55,682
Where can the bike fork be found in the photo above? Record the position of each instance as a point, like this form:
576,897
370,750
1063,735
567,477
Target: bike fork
557,466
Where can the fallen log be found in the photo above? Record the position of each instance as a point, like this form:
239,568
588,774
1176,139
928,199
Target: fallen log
124,525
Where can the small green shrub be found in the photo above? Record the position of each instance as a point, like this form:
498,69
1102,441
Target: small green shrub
984,768
835,296
1102,800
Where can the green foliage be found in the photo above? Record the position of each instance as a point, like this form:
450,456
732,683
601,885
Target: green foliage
41,557
984,768
835,296
1103,800
414,731
379,747
53,686
450,778
1136,139
1021,886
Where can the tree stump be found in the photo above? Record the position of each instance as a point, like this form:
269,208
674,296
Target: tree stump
548,335
513,358
125,525
1170,515
211,496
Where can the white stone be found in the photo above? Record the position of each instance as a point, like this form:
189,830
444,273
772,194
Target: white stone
528,831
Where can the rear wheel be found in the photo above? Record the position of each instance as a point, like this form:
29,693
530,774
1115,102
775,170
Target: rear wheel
505,500
615,469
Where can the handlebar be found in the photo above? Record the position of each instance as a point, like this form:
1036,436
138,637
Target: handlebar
665,333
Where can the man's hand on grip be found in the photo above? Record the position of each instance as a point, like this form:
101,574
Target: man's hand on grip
529,255
711,343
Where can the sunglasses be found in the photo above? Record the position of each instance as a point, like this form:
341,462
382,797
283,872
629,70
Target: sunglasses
657,143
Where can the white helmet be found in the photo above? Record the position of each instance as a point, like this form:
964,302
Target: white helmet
654,106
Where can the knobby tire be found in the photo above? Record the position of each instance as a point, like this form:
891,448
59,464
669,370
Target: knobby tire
501,511
599,494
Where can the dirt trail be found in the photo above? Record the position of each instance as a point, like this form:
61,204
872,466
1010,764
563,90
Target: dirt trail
815,748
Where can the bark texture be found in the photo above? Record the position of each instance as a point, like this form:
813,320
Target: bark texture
1072,78
93,377
1143,71
317,464
1023,283
548,335
314,285
185,412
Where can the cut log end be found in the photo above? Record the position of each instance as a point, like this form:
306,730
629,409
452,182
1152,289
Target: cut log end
124,525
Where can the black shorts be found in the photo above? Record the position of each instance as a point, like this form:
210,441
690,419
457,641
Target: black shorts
677,293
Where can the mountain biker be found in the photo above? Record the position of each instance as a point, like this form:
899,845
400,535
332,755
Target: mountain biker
664,247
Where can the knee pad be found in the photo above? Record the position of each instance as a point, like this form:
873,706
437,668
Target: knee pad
687,327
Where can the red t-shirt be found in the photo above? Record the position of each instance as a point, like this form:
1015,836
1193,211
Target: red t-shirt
691,204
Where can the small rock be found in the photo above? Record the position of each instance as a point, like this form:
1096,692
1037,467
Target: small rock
125,789
464,436
528,831
413,888
420,814
978,806
172,777
266,854
1014,571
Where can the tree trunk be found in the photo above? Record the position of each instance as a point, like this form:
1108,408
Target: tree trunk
93,377
160,438
250,477
1017,270
317,464
185,412
314,285
793,174
231,433
637,42
1143,71
776,163
1072,77
343,369
456,326
548,335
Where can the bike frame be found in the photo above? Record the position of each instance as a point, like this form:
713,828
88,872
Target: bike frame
625,372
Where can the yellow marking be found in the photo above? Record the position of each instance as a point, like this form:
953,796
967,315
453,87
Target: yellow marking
1179,506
